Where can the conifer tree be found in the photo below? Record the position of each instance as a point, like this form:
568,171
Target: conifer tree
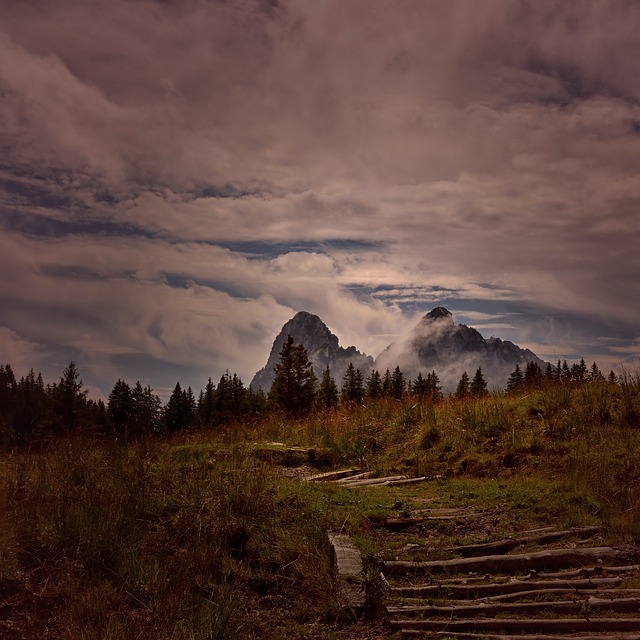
462,390
419,386
207,404
120,407
398,383
516,380
374,384
433,383
327,396
352,385
478,386
71,398
294,384
386,384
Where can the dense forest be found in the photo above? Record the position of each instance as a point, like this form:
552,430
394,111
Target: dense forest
32,412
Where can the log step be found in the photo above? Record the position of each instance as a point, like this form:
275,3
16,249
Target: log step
524,625
547,559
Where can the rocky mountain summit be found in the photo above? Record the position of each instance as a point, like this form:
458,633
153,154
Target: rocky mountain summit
438,344
435,344
322,347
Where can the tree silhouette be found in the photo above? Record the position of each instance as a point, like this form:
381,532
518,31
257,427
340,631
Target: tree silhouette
478,386
327,396
352,385
294,385
462,390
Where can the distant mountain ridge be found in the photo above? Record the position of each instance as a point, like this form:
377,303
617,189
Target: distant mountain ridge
436,343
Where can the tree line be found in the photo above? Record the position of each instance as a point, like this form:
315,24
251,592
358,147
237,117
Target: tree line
31,412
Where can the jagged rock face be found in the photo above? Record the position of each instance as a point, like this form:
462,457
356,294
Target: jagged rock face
438,344
322,349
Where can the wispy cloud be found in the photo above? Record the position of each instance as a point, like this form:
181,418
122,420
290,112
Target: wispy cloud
177,179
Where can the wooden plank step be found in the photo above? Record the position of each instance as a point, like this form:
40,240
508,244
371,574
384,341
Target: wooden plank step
500,588
426,635
524,625
547,559
484,609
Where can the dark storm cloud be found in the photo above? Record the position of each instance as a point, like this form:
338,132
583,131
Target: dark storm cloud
195,172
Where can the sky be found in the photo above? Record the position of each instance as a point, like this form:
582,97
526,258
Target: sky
178,178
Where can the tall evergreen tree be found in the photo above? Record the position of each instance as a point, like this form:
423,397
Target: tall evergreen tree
327,396
176,413
516,380
293,388
478,386
433,384
419,386
398,383
30,407
374,384
386,384
462,390
352,385
71,398
207,405
120,408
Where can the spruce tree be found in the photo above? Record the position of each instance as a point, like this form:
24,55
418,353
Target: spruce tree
462,390
352,385
327,396
120,407
433,383
478,386
398,383
516,380
293,388
374,384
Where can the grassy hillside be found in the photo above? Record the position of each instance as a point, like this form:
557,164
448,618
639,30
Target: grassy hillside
208,535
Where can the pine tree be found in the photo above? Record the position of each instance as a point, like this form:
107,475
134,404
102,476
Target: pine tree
433,382
516,380
176,413
532,374
398,383
352,385
71,398
478,386
327,396
579,372
293,388
595,374
374,384
419,387
386,384
462,390
30,407
207,405
120,408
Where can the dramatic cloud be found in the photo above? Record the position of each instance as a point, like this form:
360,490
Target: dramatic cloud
178,178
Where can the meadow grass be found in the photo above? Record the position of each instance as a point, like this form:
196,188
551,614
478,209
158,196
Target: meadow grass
198,536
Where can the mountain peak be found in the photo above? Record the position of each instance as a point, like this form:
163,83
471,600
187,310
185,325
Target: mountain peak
322,346
439,312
